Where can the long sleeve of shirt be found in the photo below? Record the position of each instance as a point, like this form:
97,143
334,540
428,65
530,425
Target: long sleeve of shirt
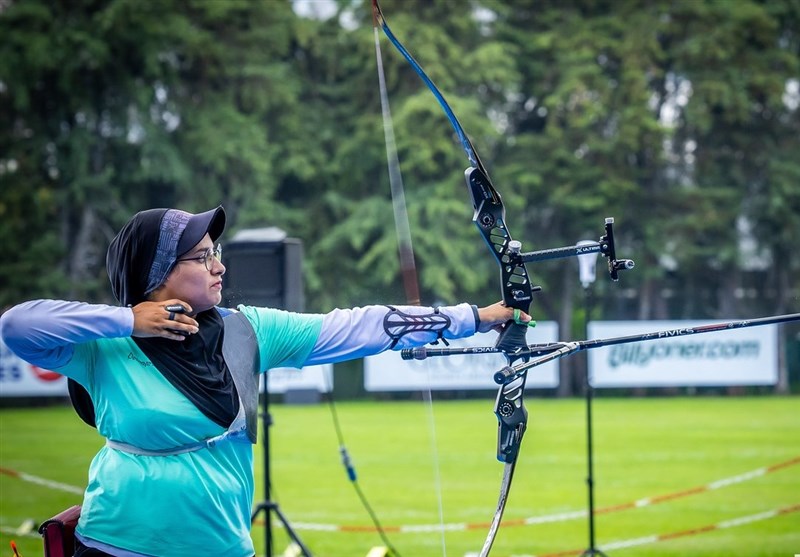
357,332
45,332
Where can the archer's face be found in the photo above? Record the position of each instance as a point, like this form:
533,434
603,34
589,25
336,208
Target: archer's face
196,277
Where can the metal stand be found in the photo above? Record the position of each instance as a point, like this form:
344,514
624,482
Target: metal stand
268,506
592,550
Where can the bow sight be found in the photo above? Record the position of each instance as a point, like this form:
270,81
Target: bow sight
605,246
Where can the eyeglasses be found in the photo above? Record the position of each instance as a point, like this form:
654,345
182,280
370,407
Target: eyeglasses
208,257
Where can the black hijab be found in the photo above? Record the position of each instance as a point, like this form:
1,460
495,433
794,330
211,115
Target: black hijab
196,368
144,252
139,258
131,254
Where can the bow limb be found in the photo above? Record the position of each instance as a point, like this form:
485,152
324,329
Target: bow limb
505,487
489,217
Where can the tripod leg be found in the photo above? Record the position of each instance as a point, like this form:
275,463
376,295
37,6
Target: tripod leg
593,552
267,508
289,530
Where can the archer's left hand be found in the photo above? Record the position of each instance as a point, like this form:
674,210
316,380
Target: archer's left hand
497,315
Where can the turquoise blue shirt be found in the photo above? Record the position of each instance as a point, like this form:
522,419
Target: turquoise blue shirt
196,503
148,504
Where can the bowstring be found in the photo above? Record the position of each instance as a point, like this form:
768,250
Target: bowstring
407,262
402,227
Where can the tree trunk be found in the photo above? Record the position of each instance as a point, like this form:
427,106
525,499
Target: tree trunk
83,254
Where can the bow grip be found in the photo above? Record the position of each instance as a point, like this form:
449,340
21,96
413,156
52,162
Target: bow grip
512,340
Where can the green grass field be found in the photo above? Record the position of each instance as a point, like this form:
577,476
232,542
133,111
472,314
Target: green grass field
646,447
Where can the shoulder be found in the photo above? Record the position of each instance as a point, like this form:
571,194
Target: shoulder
225,312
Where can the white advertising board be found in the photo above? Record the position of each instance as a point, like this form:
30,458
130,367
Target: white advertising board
19,378
389,372
282,379
747,356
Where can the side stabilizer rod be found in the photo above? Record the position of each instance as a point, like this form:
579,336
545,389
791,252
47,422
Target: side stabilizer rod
509,373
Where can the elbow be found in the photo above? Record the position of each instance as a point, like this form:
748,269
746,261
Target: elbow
11,323
22,331
15,326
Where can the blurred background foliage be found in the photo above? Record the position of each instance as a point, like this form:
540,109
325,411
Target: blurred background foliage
680,119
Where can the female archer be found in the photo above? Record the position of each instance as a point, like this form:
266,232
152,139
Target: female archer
172,382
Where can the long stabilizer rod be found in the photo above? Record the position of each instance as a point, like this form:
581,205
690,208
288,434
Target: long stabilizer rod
548,352
508,373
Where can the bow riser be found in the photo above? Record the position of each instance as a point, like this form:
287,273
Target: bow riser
512,419
490,218
515,289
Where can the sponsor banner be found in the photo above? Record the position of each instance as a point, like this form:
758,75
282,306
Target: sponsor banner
389,372
729,357
282,379
19,378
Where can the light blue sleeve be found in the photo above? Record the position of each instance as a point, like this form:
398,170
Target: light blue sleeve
46,332
347,334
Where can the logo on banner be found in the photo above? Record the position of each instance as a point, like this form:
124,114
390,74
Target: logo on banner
20,378
45,374
641,355
673,357
10,365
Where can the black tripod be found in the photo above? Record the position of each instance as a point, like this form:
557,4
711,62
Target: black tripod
592,550
267,505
